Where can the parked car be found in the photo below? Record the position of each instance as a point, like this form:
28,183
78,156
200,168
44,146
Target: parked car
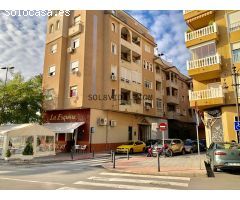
150,143
190,146
174,145
202,144
132,147
223,155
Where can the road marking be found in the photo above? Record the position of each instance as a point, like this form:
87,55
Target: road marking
118,186
30,181
86,161
138,181
67,188
147,176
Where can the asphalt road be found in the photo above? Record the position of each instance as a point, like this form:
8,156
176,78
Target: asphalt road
88,174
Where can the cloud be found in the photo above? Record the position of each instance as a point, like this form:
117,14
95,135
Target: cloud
22,43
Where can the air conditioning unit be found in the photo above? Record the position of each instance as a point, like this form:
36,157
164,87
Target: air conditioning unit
70,50
102,121
113,123
113,77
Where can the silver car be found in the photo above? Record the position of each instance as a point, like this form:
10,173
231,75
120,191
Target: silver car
222,155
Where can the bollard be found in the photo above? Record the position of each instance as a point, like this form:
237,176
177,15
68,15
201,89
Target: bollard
113,159
128,154
111,155
93,153
158,160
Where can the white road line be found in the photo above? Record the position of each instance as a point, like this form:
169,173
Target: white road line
5,172
31,181
139,181
146,176
86,161
66,188
118,186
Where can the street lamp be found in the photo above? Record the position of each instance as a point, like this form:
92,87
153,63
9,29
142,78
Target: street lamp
7,68
236,85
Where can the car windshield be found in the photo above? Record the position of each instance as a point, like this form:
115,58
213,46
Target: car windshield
128,143
188,143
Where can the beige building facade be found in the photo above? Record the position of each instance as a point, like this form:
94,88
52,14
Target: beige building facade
100,69
213,39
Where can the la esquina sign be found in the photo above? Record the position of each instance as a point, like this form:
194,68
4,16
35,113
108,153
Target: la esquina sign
62,117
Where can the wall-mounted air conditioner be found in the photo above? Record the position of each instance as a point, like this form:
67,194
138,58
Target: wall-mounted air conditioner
102,121
113,123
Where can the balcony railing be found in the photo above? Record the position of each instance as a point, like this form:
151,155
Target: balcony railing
201,32
206,94
203,62
236,57
186,11
234,26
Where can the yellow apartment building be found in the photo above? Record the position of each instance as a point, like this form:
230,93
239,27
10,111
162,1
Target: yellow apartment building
213,39
100,80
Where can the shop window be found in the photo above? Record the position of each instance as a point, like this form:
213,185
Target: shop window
61,137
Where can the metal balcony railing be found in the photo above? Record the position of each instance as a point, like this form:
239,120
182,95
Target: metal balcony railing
201,32
206,94
203,62
234,26
236,57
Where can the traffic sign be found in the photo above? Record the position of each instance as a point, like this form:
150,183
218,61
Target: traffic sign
237,125
163,126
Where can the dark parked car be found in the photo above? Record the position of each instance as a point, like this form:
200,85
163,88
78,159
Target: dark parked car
190,146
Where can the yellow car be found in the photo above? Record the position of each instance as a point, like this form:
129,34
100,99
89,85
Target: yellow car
131,147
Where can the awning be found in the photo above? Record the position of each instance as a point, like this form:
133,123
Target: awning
63,127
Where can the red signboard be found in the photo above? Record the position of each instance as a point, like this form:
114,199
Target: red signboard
163,126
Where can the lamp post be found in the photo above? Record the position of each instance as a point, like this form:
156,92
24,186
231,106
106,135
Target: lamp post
7,68
236,85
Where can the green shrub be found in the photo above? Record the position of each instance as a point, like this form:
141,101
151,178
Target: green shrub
8,153
28,150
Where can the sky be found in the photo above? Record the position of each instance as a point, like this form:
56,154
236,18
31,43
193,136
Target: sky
22,39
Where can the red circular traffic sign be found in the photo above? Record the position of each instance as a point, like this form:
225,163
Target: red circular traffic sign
163,126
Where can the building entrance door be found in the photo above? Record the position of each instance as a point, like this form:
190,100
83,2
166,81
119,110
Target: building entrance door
144,132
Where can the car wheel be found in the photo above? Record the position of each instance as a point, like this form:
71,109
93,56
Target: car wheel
131,151
183,152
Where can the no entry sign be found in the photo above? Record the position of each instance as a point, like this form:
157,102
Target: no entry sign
163,126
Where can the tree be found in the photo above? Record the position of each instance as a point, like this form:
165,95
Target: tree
21,100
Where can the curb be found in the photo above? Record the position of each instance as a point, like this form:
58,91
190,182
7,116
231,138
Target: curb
200,173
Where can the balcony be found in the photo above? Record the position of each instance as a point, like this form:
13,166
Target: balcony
206,98
74,30
234,30
172,100
205,68
202,35
198,18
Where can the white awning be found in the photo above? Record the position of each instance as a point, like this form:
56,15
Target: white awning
63,127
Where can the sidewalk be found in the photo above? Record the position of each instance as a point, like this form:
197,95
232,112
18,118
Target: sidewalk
60,157
187,165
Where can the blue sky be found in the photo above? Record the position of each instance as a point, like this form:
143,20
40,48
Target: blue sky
22,39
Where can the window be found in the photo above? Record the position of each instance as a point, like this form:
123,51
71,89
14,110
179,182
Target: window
184,112
75,43
51,28
148,103
148,84
113,27
58,25
123,73
114,48
74,66
77,20
234,21
158,71
73,91
236,52
203,51
49,94
54,48
144,64
130,131
158,86
159,104
150,67
52,71
147,48
178,110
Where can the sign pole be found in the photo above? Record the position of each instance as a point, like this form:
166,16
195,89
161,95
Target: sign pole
197,124
163,137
